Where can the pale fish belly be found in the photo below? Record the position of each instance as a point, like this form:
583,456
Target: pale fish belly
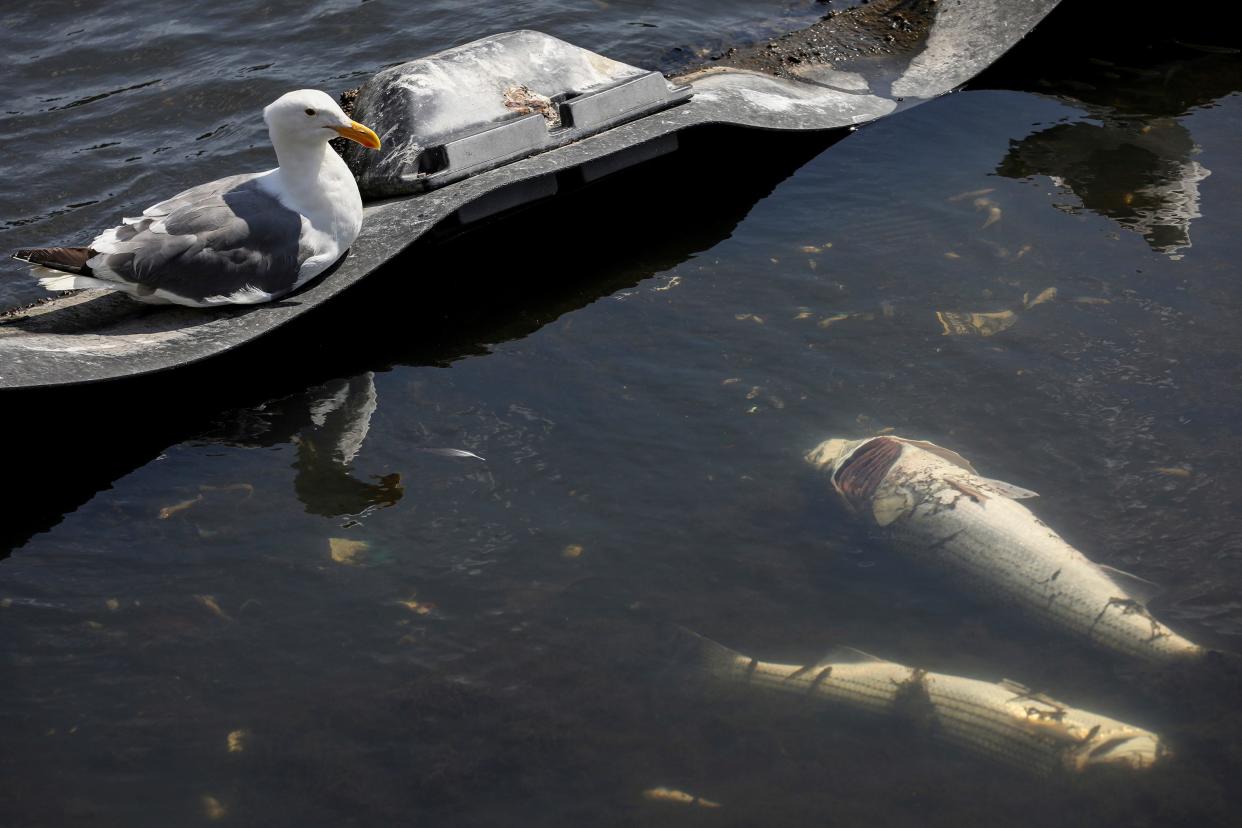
1003,721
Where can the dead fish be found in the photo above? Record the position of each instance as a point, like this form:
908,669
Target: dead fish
999,720
933,505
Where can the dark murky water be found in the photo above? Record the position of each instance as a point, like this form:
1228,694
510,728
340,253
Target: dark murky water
394,634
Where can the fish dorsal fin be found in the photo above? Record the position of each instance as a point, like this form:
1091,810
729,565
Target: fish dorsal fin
941,452
848,655
1021,691
1004,489
1016,687
1140,588
998,487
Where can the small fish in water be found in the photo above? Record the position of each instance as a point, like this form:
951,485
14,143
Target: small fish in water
960,323
994,210
168,511
209,601
680,797
1000,720
452,452
971,194
933,505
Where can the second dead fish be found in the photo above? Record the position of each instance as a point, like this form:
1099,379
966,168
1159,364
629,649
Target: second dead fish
1000,720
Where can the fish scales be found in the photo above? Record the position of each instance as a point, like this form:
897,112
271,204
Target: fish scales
934,507
998,720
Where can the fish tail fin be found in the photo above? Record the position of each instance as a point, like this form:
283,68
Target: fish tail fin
701,656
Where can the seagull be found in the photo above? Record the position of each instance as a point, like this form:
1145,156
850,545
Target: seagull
240,240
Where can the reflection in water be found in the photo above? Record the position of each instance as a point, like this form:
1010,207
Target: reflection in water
454,318
1140,172
328,424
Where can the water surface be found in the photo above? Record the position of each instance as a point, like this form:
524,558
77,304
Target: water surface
398,633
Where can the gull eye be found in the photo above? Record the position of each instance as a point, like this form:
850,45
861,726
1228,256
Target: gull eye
310,113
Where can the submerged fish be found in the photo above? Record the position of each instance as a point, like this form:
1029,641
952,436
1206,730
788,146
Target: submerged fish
934,506
1001,720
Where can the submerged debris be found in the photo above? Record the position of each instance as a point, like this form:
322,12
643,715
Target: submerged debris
663,794
213,808
960,323
347,551
417,607
976,324
209,601
237,741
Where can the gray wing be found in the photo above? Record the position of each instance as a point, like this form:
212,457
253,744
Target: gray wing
213,240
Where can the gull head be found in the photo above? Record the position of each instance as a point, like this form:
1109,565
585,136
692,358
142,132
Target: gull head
308,116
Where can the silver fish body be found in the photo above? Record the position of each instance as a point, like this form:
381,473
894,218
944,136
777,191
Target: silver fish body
1000,720
934,507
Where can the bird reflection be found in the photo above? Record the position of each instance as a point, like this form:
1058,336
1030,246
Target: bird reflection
1140,172
328,424
1131,158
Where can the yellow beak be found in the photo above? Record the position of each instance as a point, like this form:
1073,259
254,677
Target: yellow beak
357,132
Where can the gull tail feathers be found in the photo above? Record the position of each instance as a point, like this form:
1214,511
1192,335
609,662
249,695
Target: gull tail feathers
63,259
63,281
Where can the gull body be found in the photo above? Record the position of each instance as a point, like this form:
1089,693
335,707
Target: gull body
244,239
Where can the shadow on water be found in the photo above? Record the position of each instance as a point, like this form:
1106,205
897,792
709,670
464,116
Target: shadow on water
446,299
